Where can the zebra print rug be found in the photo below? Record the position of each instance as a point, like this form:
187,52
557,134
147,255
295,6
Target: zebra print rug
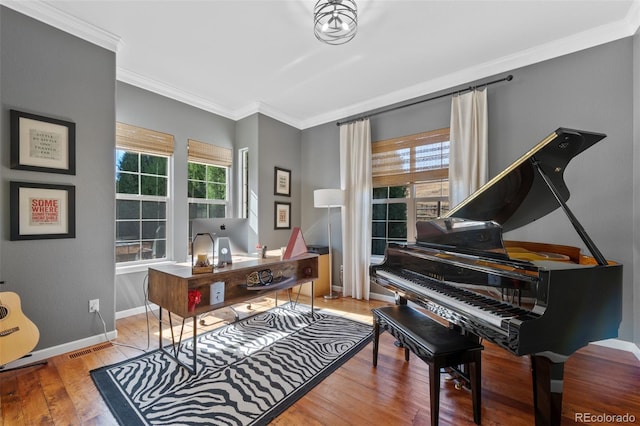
248,372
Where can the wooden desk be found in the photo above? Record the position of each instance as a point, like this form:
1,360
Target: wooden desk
169,286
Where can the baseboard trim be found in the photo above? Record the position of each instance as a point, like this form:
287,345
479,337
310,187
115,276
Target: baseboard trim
43,354
135,311
622,345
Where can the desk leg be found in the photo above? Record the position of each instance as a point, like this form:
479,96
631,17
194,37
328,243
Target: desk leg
195,340
174,355
160,328
312,293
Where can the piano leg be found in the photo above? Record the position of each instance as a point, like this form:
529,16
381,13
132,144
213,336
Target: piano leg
547,371
376,340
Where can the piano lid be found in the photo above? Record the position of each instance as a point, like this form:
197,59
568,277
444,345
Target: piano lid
519,195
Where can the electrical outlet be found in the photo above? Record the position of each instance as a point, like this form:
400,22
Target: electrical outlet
216,293
94,305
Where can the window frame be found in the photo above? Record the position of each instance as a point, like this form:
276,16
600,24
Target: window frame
243,183
411,180
208,155
389,168
150,142
167,199
227,197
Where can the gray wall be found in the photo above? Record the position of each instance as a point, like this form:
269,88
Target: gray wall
270,143
51,73
46,71
636,186
279,145
146,109
321,162
247,137
584,91
589,90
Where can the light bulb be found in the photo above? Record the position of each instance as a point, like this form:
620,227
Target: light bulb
335,21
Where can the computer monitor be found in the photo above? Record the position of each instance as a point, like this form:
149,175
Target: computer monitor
235,229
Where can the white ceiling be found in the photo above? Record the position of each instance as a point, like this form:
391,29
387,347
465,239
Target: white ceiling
238,57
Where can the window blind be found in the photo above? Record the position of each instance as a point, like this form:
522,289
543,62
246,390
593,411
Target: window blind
410,159
202,152
134,138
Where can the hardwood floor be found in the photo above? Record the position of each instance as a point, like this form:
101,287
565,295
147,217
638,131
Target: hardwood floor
598,381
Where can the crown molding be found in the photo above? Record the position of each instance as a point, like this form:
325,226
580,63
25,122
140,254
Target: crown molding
632,19
268,110
171,92
44,12
574,43
174,93
48,14
246,111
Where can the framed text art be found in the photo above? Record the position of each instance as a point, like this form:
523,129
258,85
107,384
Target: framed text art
282,182
42,211
42,144
282,215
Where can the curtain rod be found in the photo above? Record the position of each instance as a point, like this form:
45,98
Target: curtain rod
454,92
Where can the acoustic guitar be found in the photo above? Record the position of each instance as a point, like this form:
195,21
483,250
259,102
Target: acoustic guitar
18,335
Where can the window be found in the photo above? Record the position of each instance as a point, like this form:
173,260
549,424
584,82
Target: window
244,183
410,183
208,181
142,193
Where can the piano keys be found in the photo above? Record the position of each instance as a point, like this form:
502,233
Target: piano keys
531,298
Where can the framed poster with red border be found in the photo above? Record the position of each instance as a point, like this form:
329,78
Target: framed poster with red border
42,211
282,215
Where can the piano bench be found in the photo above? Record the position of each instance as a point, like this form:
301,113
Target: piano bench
435,344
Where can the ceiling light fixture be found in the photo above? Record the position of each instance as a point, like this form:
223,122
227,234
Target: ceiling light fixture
335,21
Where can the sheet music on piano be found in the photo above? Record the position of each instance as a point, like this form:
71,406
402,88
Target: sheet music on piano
530,298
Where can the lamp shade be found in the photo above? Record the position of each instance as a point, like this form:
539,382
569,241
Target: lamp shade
328,198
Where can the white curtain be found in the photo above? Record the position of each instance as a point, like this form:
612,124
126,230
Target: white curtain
468,149
355,173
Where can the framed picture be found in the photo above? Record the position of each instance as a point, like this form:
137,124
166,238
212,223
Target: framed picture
42,211
282,182
282,215
42,144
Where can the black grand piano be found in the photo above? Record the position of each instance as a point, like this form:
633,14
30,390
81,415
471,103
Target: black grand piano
537,299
